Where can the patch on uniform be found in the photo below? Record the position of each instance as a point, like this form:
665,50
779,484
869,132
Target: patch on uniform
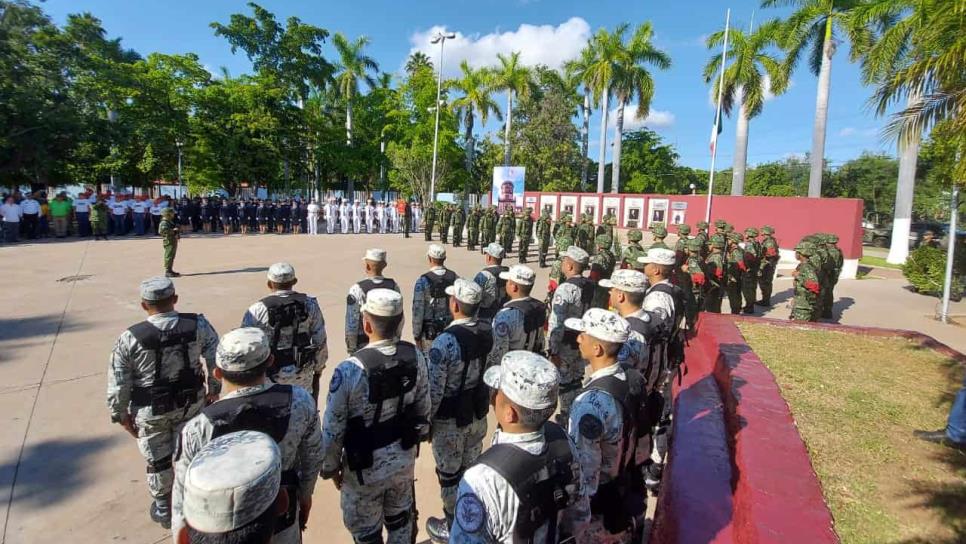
470,513
336,382
435,356
590,427
625,353
350,300
502,329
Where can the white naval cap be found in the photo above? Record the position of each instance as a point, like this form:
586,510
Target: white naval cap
157,288
242,349
627,280
436,251
465,291
577,255
495,250
233,480
658,256
519,274
281,273
375,255
601,324
527,379
383,302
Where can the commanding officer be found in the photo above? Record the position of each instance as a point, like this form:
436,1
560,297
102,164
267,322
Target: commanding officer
156,382
519,324
769,248
601,267
633,249
458,221
296,330
429,221
749,279
376,413
170,234
525,232
473,228
807,286
231,491
494,290
603,424
526,486
430,302
571,299
459,398
374,263
252,402
544,225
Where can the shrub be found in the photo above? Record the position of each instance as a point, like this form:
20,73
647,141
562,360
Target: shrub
926,269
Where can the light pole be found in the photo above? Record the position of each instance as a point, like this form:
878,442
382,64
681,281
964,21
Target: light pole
181,192
692,186
439,38
112,118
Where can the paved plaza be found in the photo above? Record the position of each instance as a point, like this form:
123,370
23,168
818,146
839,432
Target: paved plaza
75,477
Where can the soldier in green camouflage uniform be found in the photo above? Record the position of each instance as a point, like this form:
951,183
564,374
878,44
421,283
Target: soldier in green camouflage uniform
170,234
820,260
835,269
458,221
601,267
616,246
429,221
735,260
563,229
633,250
660,233
697,280
715,271
487,228
543,237
505,228
556,276
681,246
585,234
770,258
525,232
605,227
473,228
807,287
445,216
749,277
702,234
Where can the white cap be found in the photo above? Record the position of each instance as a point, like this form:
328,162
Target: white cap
601,324
495,250
232,481
281,273
627,280
658,256
436,251
383,302
577,255
375,255
527,379
157,288
465,291
519,274
242,349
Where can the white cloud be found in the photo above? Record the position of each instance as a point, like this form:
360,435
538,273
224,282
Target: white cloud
846,132
543,44
849,132
655,120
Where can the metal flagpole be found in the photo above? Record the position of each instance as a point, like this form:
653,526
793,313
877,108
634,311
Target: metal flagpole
717,116
950,253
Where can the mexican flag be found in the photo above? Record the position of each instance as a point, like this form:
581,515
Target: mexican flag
715,130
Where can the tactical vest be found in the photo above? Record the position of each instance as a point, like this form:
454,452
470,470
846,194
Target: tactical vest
534,318
587,288
165,395
437,291
673,338
267,412
540,498
367,285
489,312
386,384
467,406
283,312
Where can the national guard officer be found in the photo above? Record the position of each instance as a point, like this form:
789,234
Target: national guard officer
570,299
374,263
296,330
543,237
633,249
525,232
376,413
473,228
429,221
460,399
771,256
170,234
749,278
494,291
156,382
735,260
601,267
458,221
627,290
604,423
430,302
251,402
519,323
527,486
807,286
715,270
232,491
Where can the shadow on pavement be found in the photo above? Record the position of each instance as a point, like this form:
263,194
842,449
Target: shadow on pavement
250,269
31,327
839,307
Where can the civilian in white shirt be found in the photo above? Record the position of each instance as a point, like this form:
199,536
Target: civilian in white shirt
31,216
140,207
12,213
119,210
313,217
82,211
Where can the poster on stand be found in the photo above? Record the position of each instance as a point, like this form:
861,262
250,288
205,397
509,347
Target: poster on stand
507,190
588,205
678,212
549,203
657,209
633,208
612,206
568,205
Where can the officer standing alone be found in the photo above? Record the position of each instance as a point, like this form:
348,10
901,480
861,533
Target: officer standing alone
170,235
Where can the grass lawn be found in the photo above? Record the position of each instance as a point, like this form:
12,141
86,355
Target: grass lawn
856,401
870,260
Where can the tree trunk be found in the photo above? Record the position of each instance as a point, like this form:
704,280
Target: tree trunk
506,133
470,151
602,154
615,180
585,140
350,190
905,187
741,152
821,115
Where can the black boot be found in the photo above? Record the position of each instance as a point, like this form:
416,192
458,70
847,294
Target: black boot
438,529
161,512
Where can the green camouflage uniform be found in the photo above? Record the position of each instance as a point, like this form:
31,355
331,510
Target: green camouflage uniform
429,221
807,286
473,228
563,229
835,269
543,237
702,235
770,258
504,230
525,232
660,233
601,268
445,217
697,280
715,272
169,232
681,246
633,250
585,234
735,261
458,221
749,276
487,228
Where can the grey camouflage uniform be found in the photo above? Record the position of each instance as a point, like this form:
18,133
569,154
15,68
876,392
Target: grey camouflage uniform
487,283
427,309
133,366
301,450
353,312
566,303
387,490
509,335
257,316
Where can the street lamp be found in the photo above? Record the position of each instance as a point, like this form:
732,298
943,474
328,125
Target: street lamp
179,143
439,38
692,186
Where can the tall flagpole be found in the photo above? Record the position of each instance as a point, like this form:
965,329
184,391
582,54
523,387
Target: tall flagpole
717,116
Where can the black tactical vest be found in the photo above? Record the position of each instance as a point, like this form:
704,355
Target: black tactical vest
488,312
466,406
164,395
587,287
438,283
534,318
367,285
284,312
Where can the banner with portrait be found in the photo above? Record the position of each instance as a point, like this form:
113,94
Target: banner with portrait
507,190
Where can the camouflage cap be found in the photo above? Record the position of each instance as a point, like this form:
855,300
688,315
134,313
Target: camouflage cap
627,280
718,242
660,256
526,378
603,240
436,251
465,291
720,224
659,231
634,235
751,231
767,230
602,324
520,274
577,255
702,224
232,481
157,288
281,273
695,244
833,238
805,248
383,303
242,349
167,212
684,228
375,255
495,250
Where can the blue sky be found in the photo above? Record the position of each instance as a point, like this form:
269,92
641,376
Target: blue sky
547,31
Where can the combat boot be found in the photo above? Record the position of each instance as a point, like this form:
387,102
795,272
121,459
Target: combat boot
438,529
171,274
161,512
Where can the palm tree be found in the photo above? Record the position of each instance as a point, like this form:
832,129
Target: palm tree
632,80
475,86
608,48
353,66
515,79
745,81
577,71
815,26
417,60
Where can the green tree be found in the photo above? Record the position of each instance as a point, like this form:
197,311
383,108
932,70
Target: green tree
652,165
578,73
515,79
353,67
475,87
607,49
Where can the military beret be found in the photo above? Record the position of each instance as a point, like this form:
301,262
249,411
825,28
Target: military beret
157,288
